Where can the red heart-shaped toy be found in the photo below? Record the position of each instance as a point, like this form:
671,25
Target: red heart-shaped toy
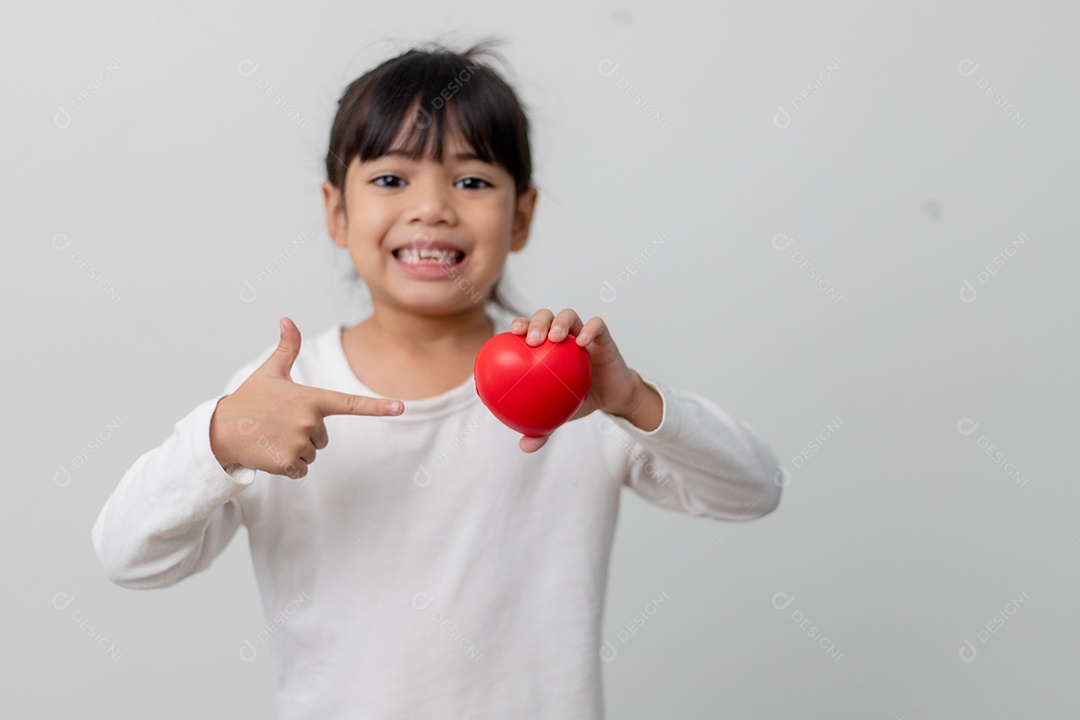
532,390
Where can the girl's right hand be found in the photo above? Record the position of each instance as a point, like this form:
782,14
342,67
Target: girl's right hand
272,424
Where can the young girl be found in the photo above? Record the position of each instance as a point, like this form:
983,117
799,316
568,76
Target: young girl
432,563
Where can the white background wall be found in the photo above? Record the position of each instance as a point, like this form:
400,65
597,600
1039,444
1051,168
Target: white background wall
869,254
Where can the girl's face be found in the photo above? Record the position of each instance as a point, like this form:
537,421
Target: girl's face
429,237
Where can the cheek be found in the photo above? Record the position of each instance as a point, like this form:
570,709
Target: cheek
365,245
368,230
497,222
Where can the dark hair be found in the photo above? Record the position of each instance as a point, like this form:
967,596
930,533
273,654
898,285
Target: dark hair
434,89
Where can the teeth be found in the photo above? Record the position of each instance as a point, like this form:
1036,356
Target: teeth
416,255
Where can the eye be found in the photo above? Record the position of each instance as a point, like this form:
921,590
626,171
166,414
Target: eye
484,183
392,178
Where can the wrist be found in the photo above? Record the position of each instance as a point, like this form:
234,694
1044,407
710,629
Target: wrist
634,401
218,443
645,408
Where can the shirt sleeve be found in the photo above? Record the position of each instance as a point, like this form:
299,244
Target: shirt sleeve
700,459
175,509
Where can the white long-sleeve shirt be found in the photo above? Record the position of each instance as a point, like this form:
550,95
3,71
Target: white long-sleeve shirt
427,567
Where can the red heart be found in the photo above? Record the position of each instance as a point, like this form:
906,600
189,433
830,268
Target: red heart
532,389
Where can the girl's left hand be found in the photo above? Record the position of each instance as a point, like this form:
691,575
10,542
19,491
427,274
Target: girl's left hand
614,387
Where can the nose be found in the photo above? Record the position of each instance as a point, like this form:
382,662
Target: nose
431,202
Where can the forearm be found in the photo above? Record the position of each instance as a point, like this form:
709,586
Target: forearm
171,512
697,457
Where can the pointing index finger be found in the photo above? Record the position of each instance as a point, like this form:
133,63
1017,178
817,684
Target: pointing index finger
332,402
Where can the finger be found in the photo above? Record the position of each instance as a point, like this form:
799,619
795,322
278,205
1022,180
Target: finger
308,454
295,470
519,325
564,323
319,438
281,360
331,402
532,444
538,326
595,330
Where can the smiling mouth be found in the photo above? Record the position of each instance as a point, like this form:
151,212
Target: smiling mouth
429,256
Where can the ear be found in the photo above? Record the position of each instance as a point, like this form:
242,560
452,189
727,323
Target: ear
336,222
523,215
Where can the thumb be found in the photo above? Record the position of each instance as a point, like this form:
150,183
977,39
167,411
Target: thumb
281,360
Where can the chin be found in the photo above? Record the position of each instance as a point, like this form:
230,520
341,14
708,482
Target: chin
451,300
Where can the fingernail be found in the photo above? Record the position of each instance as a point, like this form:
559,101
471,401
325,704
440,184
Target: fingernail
395,407
534,335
